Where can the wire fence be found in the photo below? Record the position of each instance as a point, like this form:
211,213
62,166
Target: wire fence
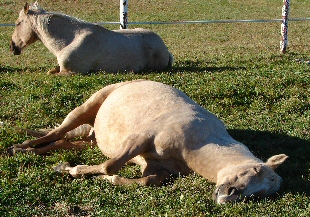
188,22
284,21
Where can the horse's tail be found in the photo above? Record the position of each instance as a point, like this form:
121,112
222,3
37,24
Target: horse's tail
39,133
83,131
170,60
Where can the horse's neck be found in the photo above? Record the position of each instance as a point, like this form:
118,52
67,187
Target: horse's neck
57,32
211,158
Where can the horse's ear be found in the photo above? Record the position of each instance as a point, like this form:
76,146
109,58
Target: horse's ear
276,161
26,8
36,4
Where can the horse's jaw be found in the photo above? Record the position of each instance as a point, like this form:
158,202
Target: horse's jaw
16,50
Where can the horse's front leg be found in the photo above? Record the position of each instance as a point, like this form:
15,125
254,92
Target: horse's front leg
132,146
54,71
57,71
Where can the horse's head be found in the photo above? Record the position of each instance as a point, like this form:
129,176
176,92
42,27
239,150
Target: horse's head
23,34
258,180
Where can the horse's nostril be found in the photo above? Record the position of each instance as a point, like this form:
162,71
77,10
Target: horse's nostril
14,48
233,191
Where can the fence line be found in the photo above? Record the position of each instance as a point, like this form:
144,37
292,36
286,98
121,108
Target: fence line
189,22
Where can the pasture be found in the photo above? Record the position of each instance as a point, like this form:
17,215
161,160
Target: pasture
233,70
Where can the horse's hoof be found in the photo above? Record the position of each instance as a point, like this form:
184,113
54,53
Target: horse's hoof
11,151
63,167
14,149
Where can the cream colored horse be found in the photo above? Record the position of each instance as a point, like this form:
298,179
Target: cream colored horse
165,132
82,47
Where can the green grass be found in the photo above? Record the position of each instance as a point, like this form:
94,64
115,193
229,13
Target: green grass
233,70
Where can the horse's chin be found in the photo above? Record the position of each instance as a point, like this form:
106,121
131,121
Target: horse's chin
223,199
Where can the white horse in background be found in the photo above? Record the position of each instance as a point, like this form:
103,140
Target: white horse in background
82,47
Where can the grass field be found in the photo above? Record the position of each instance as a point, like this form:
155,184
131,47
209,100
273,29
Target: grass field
233,70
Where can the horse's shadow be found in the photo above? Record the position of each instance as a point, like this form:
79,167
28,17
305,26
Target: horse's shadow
201,67
295,170
180,66
9,69
195,67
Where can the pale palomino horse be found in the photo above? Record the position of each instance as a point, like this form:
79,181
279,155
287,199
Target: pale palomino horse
165,132
82,47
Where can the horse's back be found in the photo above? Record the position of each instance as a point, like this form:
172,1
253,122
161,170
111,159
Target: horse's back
154,51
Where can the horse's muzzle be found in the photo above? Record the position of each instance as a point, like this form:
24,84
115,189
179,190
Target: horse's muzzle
16,50
226,193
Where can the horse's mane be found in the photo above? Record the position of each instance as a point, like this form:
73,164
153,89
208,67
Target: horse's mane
43,17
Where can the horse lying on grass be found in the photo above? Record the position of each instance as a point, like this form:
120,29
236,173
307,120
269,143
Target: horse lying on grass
165,132
82,47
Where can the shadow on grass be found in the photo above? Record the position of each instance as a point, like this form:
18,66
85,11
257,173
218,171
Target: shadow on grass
295,171
183,66
23,70
201,66
263,144
5,69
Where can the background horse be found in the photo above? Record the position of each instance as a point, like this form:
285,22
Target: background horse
82,47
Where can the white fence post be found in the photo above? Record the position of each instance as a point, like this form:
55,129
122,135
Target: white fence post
284,26
123,14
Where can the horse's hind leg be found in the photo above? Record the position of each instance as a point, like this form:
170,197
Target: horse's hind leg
84,114
74,119
53,146
87,142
